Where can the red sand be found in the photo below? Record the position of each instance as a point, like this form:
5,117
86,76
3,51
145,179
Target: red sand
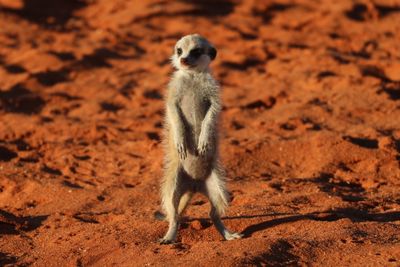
310,132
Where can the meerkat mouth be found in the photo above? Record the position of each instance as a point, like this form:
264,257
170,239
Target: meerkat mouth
185,63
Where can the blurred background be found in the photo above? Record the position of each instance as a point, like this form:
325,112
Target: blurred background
310,131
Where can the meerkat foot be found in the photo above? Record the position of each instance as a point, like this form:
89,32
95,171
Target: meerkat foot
232,236
165,241
170,236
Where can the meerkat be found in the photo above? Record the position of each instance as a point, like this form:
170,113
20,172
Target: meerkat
191,139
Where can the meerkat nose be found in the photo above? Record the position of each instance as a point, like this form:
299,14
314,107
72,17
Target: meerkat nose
184,61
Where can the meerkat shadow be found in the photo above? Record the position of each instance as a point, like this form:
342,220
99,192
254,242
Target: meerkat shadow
354,214
248,231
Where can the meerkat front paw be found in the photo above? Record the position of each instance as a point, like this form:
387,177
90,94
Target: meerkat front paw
180,143
181,147
203,147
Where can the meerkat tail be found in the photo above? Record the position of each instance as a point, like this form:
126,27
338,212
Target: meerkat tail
159,216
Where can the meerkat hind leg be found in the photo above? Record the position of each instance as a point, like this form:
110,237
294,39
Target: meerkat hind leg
216,193
172,193
173,219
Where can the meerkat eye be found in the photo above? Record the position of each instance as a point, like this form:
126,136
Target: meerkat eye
179,51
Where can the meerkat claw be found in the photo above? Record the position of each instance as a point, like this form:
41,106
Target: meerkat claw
164,241
202,149
182,151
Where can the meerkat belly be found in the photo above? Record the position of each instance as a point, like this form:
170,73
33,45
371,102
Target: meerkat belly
194,109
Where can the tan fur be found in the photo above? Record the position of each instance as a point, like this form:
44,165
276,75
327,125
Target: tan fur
190,137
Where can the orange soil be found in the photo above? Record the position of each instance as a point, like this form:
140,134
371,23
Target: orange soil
310,132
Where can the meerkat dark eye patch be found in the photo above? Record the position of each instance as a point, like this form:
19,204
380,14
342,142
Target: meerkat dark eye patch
212,53
179,51
197,52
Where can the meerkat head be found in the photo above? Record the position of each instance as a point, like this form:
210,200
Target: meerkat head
193,53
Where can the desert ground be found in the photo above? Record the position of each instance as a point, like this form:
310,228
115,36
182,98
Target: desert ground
310,132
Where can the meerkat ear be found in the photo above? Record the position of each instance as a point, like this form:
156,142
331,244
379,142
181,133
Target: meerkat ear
212,53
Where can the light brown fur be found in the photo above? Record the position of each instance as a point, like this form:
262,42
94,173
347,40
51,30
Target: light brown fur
191,139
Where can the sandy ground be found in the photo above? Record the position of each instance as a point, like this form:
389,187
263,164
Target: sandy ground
310,132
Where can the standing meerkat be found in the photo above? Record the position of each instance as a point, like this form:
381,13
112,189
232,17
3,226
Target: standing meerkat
191,140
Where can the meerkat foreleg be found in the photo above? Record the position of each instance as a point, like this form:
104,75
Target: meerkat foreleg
178,131
218,196
207,127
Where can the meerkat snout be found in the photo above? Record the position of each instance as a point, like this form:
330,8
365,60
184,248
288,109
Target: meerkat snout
193,53
184,62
